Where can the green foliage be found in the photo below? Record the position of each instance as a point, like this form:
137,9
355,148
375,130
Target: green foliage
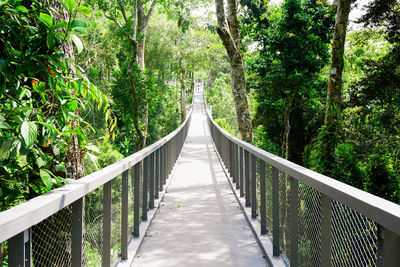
106,155
219,96
224,125
40,94
287,65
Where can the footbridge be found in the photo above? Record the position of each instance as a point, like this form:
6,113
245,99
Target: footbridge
202,197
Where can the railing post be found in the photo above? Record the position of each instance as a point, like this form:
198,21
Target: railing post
136,200
326,228
263,206
157,177
275,212
77,244
124,216
106,259
162,168
247,178
19,249
294,221
241,172
253,187
145,187
152,176
231,160
388,248
237,167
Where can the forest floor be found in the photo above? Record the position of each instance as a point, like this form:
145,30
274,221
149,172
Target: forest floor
199,222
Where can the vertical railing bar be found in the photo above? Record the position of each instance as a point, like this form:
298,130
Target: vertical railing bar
157,177
20,249
237,167
241,172
275,212
136,200
247,178
391,248
253,187
107,201
263,200
77,233
162,172
124,215
145,187
151,182
231,159
294,221
326,228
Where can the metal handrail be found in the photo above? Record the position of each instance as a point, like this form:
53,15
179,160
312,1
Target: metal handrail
16,220
384,213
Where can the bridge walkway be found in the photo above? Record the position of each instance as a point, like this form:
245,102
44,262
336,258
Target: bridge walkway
199,222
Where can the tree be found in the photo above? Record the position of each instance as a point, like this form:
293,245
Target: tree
228,31
329,133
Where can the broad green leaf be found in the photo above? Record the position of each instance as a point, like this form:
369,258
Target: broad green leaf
70,5
79,26
22,9
3,65
49,126
40,162
93,158
84,10
9,146
50,40
92,148
60,168
78,43
47,19
46,178
29,132
61,24
72,105
4,125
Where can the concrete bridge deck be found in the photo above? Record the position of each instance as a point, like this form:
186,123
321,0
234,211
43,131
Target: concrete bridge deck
199,222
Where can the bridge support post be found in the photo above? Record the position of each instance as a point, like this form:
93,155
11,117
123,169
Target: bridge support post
107,201
124,216
145,187
157,177
275,212
294,221
151,182
20,251
237,179
253,187
388,248
326,224
77,243
241,172
263,200
247,178
136,199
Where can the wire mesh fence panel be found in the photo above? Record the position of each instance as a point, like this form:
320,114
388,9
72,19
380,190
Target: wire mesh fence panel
51,240
284,202
116,219
4,253
309,226
130,207
268,192
94,227
354,238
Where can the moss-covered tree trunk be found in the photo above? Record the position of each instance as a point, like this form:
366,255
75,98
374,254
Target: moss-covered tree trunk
228,31
334,98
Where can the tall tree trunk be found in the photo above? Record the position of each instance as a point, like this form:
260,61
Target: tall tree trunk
334,96
228,31
141,21
288,112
